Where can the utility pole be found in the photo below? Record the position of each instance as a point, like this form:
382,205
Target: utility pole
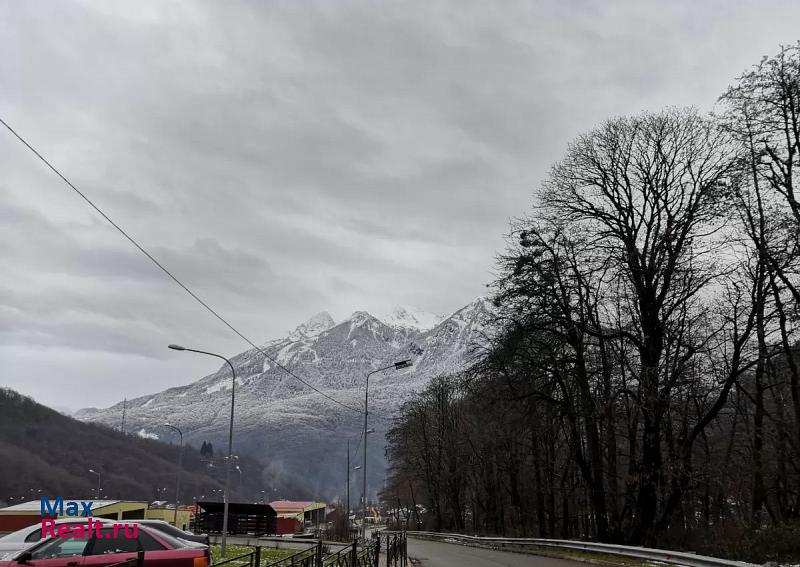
124,405
364,485
226,494
97,496
347,509
180,466
397,366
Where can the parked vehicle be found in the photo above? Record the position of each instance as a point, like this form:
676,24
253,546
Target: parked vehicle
26,537
169,529
109,548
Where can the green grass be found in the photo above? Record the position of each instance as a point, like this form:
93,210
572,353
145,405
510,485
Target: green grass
268,554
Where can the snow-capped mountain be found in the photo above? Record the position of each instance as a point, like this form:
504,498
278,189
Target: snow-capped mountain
404,316
317,324
288,424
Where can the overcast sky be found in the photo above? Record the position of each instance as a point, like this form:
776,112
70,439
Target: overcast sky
284,158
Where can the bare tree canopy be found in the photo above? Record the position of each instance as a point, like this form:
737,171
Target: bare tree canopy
641,378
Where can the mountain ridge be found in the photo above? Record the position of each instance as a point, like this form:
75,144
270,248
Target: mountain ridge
285,423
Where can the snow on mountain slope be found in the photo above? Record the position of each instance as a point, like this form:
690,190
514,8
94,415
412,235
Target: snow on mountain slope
404,316
285,423
317,324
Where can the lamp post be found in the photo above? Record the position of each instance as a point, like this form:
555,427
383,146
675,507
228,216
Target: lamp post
224,542
397,366
97,497
180,465
357,468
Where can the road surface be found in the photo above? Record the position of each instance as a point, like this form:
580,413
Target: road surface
437,554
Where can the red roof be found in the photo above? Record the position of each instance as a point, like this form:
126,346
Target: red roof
290,505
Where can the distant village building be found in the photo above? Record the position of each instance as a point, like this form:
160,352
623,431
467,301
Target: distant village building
298,516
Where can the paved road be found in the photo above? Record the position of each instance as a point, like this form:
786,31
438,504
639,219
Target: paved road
436,554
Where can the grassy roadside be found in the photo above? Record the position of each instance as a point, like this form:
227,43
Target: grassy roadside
268,554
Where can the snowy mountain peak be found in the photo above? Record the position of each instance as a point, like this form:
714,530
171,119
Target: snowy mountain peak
281,418
315,326
405,316
359,318
477,309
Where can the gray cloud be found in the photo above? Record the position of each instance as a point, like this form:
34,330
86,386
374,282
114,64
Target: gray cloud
286,158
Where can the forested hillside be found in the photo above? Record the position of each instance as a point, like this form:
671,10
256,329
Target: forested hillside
643,382
43,450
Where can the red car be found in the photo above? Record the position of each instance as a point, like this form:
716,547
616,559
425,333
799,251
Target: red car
160,550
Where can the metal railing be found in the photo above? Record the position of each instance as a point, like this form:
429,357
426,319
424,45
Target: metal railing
309,557
343,558
357,554
396,548
248,559
276,542
663,555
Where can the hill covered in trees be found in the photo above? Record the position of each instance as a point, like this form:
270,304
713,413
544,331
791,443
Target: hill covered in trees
43,450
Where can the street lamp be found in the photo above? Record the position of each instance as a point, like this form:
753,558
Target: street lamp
224,542
397,366
98,483
240,478
180,465
347,509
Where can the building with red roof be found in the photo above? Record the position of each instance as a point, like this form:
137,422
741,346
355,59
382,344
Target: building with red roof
298,516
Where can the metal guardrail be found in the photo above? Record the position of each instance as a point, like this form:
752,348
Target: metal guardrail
662,555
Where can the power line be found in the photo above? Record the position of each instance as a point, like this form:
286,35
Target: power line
166,271
358,445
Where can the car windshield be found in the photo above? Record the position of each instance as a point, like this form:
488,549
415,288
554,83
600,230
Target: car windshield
111,541
19,535
166,538
60,547
165,528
